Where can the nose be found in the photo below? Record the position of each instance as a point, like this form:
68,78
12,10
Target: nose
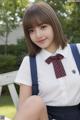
38,33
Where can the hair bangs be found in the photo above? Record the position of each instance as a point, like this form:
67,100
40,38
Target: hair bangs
35,19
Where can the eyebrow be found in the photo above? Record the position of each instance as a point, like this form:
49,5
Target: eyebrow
33,26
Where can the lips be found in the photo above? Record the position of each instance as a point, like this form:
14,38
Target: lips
41,41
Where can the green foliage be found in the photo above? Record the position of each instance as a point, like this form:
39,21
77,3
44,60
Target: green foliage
14,58
21,46
11,49
72,26
17,49
21,50
11,12
7,63
1,49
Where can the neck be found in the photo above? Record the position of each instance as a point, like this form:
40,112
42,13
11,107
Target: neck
52,49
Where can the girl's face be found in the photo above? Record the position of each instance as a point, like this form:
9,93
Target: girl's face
43,36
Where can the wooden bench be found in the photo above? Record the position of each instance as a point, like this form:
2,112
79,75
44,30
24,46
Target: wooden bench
7,79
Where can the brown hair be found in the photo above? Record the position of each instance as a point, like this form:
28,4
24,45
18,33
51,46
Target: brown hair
42,12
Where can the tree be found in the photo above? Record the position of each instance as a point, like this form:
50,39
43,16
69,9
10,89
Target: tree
73,21
11,12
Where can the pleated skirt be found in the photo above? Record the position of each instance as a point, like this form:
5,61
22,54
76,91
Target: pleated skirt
64,112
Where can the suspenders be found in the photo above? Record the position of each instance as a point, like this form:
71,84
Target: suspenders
34,76
33,68
76,55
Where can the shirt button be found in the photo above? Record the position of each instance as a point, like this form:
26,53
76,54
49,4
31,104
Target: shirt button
73,71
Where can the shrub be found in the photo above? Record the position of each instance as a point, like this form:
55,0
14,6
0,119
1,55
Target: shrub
7,63
17,49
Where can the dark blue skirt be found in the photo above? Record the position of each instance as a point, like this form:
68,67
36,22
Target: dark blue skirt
64,112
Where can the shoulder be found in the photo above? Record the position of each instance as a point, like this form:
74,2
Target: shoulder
25,62
78,46
25,59
68,48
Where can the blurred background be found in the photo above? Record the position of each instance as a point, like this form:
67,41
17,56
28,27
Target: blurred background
12,40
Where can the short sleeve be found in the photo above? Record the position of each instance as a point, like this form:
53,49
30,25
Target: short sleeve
24,75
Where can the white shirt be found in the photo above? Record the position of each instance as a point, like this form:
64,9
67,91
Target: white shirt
64,91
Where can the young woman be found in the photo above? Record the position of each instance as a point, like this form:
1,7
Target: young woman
58,81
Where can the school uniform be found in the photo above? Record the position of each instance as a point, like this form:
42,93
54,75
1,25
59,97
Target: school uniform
55,92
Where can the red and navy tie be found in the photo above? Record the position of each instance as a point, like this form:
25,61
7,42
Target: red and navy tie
57,64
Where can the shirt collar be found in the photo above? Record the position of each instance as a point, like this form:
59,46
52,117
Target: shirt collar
45,54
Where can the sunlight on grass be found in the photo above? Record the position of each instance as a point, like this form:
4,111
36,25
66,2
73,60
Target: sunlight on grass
7,107
8,111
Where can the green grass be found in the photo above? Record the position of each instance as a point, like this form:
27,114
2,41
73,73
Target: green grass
7,107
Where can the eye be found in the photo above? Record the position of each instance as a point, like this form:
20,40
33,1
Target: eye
43,26
30,30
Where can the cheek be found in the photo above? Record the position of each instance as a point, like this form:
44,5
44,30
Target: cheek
50,34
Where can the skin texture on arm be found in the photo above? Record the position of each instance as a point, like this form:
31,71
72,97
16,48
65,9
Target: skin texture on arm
25,92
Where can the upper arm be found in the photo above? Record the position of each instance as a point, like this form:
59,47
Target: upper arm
25,92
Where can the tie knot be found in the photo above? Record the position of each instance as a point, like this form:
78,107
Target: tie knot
57,57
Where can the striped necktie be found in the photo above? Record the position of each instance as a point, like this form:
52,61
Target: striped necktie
57,64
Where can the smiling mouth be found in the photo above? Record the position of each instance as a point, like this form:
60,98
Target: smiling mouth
40,41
